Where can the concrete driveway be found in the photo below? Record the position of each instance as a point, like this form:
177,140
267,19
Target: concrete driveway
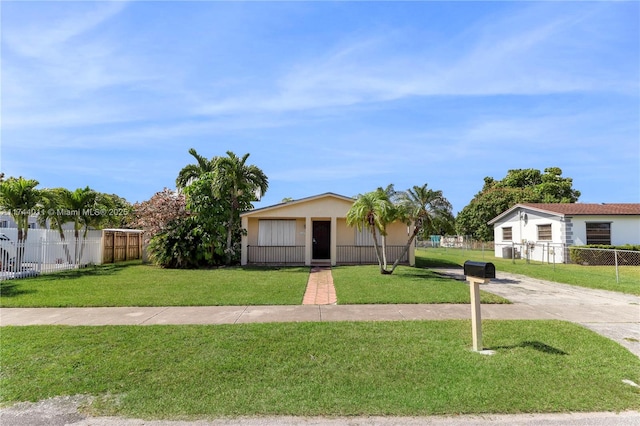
611,314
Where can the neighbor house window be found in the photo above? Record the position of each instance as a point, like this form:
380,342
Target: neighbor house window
277,233
4,223
507,234
544,232
599,233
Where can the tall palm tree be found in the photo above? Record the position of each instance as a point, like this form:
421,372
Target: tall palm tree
238,184
191,172
426,209
81,203
372,211
20,198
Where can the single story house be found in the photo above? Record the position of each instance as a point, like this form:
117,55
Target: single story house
314,230
555,226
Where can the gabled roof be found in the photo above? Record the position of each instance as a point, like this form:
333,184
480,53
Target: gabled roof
576,209
299,201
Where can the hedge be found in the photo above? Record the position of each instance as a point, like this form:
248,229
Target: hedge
604,255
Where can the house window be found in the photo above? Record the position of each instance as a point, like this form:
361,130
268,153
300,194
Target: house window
277,233
544,232
364,237
4,223
599,233
32,226
507,234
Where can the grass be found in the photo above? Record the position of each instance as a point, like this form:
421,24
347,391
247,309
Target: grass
325,369
134,284
597,277
364,284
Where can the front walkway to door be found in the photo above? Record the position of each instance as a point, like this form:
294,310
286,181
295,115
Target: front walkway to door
320,289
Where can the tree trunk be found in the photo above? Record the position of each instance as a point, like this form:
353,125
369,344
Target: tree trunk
64,244
415,232
377,248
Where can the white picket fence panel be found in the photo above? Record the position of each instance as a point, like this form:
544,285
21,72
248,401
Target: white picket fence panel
45,251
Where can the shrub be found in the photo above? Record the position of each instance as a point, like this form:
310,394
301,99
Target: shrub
604,254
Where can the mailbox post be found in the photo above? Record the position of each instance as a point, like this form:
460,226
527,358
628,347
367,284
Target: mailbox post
477,273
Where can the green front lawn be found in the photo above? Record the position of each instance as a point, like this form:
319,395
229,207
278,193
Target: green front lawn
133,284
597,277
365,284
145,285
327,369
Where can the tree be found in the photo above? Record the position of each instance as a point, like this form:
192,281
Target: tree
192,172
82,204
518,186
237,185
20,198
153,215
427,210
372,211
53,214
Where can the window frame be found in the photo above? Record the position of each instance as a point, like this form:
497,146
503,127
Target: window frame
510,233
542,236
276,232
589,239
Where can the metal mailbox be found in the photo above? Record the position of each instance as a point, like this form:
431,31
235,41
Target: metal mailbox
479,269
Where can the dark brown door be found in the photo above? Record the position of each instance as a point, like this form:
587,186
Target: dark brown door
321,240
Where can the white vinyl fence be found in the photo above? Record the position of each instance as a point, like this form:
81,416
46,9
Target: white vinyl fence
46,251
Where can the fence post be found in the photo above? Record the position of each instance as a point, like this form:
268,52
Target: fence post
513,252
615,256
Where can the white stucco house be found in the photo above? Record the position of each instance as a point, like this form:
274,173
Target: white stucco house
547,228
313,230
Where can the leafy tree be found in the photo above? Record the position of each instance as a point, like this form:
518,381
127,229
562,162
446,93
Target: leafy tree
180,244
154,215
237,185
518,186
20,198
427,210
192,172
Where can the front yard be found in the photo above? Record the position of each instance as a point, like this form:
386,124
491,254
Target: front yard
328,369
134,284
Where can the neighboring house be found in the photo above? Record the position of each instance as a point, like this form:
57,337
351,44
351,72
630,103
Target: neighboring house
314,230
6,221
558,225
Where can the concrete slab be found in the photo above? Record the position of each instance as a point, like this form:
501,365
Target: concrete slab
360,313
627,334
197,315
435,312
295,313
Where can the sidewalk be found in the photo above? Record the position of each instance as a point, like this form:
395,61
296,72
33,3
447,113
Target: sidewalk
613,315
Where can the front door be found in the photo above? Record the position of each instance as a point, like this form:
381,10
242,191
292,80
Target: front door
321,240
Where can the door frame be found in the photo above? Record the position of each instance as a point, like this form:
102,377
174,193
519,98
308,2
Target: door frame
326,224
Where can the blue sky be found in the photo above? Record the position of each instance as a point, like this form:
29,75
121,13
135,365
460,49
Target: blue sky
326,96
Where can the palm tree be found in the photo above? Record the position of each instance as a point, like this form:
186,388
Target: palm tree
191,172
427,209
372,211
238,184
54,213
81,204
20,198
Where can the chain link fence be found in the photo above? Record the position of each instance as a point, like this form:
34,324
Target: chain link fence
602,262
